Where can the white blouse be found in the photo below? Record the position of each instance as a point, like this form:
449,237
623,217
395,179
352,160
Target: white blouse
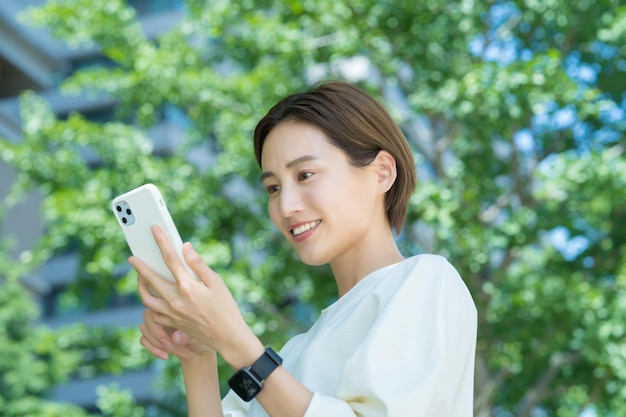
400,343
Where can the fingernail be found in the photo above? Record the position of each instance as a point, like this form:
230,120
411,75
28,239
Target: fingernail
131,260
189,249
177,337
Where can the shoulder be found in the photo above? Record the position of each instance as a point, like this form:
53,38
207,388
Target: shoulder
428,310
433,279
430,262
428,268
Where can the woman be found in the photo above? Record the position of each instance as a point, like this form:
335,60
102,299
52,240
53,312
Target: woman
400,339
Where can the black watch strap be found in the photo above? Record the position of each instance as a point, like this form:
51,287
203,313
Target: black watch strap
266,364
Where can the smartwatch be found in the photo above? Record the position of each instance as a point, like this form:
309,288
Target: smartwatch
248,382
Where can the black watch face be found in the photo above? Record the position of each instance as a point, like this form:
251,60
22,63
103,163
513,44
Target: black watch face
245,385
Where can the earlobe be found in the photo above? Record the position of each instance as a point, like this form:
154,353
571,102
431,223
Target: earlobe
386,171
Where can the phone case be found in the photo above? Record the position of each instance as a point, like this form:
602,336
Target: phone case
137,211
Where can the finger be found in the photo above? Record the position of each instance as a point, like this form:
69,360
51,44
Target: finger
151,338
156,333
152,288
163,320
181,338
206,275
170,256
159,353
144,289
159,308
146,292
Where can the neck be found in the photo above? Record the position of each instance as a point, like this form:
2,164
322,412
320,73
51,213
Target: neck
376,252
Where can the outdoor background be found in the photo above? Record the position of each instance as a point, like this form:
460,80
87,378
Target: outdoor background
515,112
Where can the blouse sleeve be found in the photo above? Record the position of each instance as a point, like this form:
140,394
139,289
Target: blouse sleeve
233,406
418,358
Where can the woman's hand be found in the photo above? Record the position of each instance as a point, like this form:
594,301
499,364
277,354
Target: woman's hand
203,309
161,341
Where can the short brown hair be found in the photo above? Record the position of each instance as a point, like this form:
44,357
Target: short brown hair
356,123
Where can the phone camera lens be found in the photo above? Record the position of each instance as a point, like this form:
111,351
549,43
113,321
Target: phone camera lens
119,208
124,220
128,211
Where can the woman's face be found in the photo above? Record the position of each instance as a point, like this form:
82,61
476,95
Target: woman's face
320,202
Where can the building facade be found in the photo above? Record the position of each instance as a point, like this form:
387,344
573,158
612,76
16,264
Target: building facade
30,59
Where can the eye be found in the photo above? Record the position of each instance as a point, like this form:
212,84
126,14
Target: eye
302,176
272,188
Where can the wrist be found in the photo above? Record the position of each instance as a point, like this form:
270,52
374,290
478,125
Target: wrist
199,360
244,352
248,381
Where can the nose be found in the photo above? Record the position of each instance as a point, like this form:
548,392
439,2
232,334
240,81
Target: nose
290,200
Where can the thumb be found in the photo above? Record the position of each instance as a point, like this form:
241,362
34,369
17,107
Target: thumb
181,338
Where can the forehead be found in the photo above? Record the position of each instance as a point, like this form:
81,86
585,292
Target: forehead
290,140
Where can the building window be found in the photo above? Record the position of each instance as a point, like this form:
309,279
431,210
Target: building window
63,302
145,7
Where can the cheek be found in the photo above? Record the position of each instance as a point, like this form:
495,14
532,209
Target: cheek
273,211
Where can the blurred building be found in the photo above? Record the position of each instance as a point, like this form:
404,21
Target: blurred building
30,59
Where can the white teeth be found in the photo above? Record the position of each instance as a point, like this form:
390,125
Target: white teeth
301,229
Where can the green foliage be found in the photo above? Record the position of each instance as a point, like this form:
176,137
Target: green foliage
116,402
34,359
31,359
515,113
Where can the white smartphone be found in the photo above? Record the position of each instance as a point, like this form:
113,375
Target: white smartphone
137,211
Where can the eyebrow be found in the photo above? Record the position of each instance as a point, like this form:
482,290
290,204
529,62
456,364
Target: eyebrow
291,164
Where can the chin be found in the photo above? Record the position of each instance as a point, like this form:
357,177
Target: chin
314,263
313,260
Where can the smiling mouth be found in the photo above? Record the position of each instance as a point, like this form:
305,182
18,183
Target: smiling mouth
303,228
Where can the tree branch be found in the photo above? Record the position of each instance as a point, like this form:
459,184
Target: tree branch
540,390
486,386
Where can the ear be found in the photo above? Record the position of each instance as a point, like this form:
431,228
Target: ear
384,166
